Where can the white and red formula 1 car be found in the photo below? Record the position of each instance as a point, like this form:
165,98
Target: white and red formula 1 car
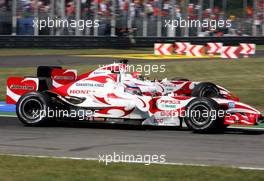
111,95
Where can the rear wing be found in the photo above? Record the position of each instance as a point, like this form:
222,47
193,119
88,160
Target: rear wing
17,86
47,78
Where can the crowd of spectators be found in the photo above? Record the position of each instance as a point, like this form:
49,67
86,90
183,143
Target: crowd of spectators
130,14
5,17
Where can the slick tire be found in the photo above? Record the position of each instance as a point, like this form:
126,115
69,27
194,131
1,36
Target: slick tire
204,116
31,109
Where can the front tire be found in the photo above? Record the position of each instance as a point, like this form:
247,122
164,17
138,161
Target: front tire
32,108
204,116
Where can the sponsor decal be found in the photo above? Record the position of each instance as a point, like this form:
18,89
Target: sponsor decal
99,72
23,87
170,85
231,105
17,86
159,121
79,91
168,104
170,101
89,85
170,88
64,78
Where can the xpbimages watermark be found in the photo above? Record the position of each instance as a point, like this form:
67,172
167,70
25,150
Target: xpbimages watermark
122,157
80,114
206,23
65,23
167,110
145,69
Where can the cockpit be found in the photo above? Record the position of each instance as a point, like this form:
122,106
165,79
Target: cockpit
133,90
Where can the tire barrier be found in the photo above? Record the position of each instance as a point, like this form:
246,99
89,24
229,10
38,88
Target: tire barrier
163,49
181,47
230,52
195,50
212,49
247,49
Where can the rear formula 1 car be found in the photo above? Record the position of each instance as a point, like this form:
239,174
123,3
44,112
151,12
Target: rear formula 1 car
105,96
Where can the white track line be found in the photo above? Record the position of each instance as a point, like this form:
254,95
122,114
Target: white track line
165,163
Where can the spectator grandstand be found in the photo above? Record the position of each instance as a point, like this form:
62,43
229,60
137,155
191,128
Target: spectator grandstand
133,17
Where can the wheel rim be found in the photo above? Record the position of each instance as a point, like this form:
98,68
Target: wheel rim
32,110
200,115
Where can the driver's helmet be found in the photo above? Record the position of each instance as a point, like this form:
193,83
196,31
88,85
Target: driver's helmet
133,90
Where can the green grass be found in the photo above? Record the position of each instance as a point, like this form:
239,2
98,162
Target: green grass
47,169
244,77
260,47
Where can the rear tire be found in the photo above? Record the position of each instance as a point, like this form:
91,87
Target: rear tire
203,116
32,108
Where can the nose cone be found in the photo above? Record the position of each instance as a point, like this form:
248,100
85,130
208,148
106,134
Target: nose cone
241,107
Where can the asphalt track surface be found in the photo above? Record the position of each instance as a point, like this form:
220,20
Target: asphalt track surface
235,148
65,60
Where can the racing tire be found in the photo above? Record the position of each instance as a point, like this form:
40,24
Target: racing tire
206,89
204,116
31,107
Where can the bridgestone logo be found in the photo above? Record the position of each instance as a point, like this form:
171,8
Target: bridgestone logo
23,87
64,78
